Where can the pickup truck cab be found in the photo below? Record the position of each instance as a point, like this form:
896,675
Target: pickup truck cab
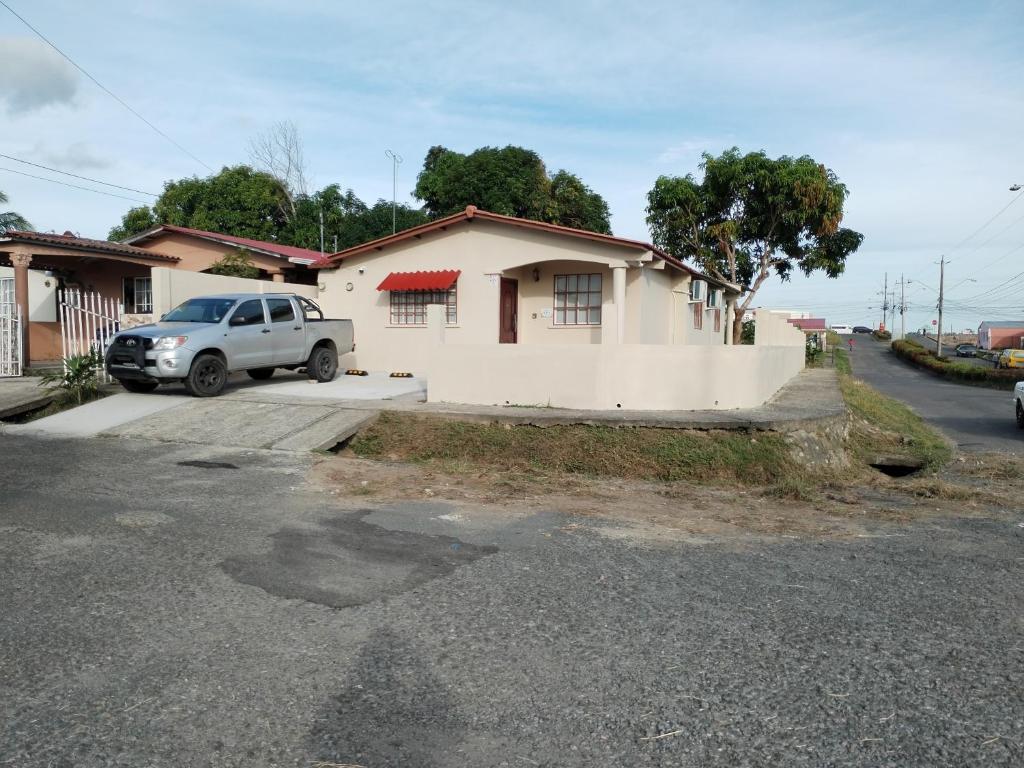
1018,403
206,338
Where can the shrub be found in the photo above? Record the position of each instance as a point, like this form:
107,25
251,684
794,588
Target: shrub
76,380
917,355
882,335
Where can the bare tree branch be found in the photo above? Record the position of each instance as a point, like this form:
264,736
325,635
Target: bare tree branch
279,152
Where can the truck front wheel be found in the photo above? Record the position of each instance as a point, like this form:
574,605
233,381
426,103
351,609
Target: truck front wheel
206,377
322,365
1020,415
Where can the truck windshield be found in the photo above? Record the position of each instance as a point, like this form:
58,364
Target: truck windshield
199,311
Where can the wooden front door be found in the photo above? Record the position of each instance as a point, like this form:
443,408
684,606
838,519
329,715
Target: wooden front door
508,326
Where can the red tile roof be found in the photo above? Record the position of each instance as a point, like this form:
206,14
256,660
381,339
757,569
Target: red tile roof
472,212
440,280
809,323
71,242
303,255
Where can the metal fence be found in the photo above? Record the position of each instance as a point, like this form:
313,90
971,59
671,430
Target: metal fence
11,347
87,323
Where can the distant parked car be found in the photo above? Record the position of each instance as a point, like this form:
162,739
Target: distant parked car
966,350
1011,358
861,329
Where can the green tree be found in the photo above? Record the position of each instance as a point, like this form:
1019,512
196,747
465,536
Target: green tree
510,180
752,217
347,219
132,223
10,220
237,201
574,204
235,264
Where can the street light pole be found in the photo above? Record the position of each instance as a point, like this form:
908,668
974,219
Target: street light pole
396,160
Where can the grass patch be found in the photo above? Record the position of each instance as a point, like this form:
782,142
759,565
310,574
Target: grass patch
842,360
886,426
643,453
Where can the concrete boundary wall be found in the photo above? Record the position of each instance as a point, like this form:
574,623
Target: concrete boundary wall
654,377
173,286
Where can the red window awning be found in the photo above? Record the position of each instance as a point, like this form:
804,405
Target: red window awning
440,280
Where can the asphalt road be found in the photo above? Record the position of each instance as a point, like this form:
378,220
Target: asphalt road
976,418
169,606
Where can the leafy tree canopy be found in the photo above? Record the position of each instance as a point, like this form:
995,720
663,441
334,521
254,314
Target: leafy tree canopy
9,220
512,181
235,264
244,202
752,217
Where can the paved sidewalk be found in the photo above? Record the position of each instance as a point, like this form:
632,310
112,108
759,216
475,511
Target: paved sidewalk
18,395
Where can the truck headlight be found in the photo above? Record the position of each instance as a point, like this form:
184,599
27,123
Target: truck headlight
169,342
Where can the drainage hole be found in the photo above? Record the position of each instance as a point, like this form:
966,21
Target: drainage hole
207,464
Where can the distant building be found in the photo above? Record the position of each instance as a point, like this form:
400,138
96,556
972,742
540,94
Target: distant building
1007,334
815,327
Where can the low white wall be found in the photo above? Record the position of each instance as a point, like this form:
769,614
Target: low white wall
608,377
173,286
773,328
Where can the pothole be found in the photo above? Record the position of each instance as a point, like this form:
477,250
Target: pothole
207,464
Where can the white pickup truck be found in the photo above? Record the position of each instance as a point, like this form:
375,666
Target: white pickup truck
204,339
1018,403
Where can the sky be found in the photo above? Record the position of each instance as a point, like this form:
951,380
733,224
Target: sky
918,107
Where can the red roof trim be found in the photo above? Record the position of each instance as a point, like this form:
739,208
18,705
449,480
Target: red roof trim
84,244
440,280
264,246
472,212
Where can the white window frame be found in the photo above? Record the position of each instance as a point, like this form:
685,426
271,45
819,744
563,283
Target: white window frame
134,308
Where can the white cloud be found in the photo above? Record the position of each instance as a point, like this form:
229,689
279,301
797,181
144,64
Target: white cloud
75,157
34,76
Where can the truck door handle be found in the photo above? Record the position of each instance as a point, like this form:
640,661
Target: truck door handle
265,330
297,328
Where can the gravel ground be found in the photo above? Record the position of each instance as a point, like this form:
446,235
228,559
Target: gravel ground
153,614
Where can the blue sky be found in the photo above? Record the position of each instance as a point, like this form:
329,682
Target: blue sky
918,106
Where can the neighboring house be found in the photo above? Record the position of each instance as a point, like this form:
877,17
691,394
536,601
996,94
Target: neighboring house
1001,335
505,280
812,326
44,263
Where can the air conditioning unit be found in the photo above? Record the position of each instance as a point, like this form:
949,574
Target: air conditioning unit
698,290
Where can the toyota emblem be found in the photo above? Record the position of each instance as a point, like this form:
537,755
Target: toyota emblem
129,342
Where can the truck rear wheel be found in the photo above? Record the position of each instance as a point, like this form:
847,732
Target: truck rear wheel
260,374
206,377
133,385
322,364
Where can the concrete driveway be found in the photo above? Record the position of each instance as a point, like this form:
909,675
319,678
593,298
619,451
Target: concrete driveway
976,418
289,412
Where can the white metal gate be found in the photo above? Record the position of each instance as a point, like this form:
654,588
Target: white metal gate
87,323
11,348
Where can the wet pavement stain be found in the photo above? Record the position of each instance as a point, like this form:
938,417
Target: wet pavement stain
349,562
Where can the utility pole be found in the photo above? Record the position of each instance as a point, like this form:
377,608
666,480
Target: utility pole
903,307
885,299
321,233
942,280
396,160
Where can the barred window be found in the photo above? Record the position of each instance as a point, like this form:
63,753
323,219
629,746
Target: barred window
410,307
137,293
577,299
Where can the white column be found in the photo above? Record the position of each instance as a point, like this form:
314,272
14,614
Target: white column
730,317
619,300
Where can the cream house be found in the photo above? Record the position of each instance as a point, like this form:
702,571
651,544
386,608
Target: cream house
510,281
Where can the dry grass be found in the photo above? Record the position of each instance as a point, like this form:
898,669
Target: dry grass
759,459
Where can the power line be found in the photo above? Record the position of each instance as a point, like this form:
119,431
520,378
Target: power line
102,87
73,186
979,229
75,175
